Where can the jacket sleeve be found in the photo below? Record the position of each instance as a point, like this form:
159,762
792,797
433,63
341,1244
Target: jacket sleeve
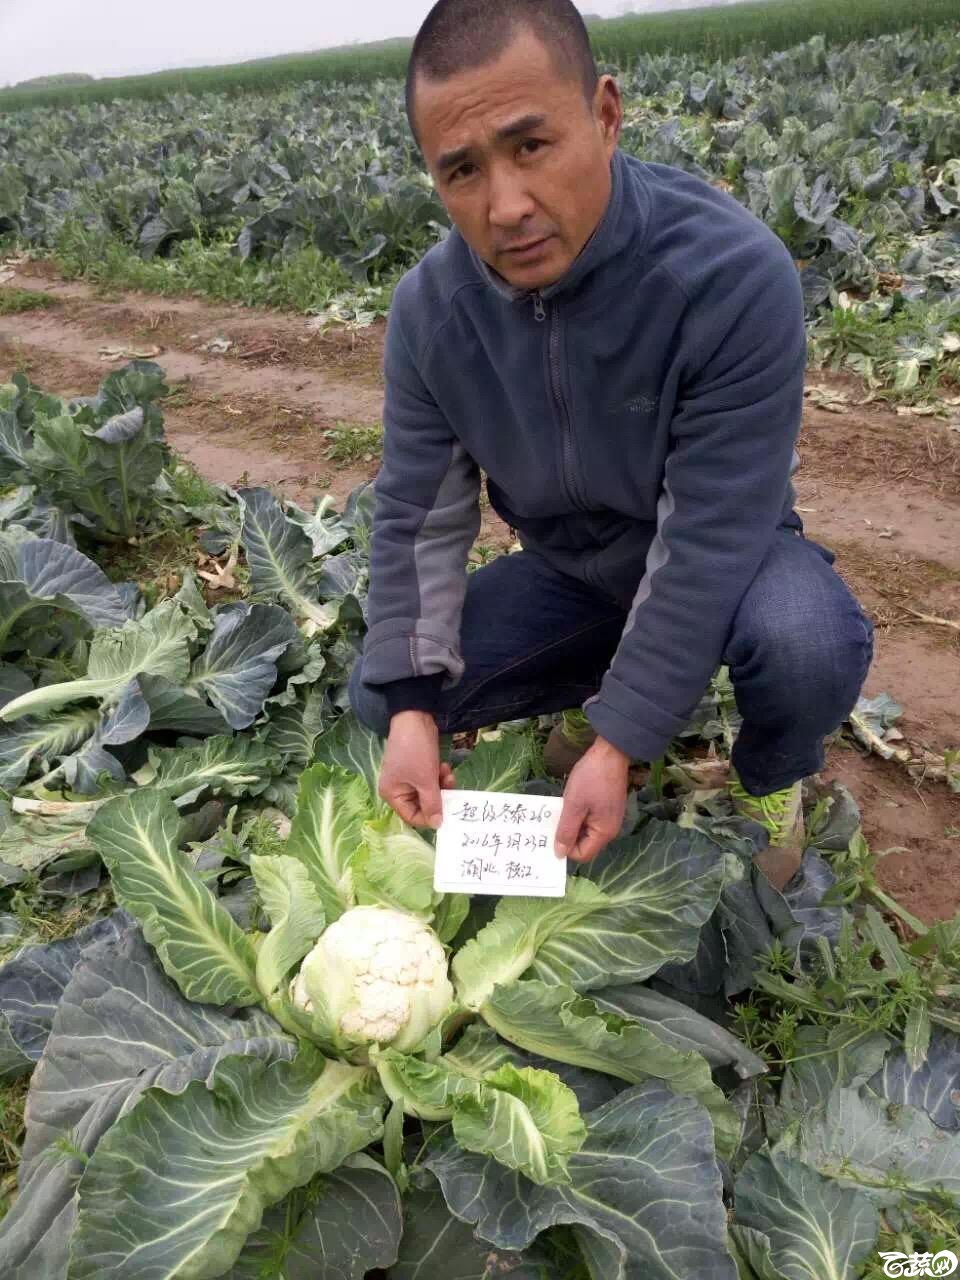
426,518
725,489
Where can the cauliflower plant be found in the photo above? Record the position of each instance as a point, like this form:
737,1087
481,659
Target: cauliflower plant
380,975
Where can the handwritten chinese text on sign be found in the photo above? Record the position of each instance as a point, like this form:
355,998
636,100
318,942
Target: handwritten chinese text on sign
492,842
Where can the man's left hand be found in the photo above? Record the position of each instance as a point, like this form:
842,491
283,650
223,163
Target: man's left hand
594,802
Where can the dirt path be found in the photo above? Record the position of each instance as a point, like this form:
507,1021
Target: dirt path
256,391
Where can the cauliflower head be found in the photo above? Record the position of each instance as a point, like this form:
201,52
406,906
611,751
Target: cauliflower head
380,975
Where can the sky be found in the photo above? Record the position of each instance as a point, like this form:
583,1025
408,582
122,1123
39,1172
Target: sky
117,37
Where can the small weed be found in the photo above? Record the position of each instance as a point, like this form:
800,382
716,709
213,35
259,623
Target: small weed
13,301
189,487
352,443
482,554
13,1096
42,920
155,562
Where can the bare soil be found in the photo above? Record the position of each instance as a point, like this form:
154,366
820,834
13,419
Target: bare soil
882,490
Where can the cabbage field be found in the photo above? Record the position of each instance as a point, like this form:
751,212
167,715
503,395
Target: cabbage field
241,1034
674,1071
313,195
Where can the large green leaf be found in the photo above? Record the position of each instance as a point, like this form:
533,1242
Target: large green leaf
497,764
31,986
526,1119
233,766
296,915
554,1022
43,579
817,1230
198,943
863,1140
332,806
156,645
238,667
280,557
352,747
507,946
680,1026
176,1186
33,740
436,1244
340,1226
644,1196
662,885
121,1027
640,905
37,839
932,1087
294,729
175,708
827,1057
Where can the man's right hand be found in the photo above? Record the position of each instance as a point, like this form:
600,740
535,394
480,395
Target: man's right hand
411,775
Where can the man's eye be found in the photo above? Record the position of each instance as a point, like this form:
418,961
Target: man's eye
463,171
535,143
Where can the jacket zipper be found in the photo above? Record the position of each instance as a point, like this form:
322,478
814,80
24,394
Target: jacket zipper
566,427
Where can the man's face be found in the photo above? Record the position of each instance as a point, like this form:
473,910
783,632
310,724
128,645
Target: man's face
520,160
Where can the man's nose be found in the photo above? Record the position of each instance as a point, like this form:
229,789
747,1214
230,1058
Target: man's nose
510,202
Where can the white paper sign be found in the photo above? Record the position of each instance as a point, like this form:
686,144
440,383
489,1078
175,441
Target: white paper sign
492,842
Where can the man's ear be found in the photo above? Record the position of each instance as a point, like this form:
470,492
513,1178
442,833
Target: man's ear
608,109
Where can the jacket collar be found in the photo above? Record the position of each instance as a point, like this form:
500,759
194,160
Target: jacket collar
613,232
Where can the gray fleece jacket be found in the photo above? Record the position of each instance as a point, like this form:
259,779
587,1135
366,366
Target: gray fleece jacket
636,421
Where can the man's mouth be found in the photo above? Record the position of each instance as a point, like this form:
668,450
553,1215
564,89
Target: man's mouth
528,249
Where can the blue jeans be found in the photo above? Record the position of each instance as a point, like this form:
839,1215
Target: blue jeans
535,640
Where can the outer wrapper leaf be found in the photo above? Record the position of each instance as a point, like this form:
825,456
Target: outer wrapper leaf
435,1244
120,1028
557,1024
332,806
817,1230
644,1196
296,914
640,905
862,1140
176,1186
198,943
156,645
352,747
680,1026
340,1227
526,1119
238,667
280,557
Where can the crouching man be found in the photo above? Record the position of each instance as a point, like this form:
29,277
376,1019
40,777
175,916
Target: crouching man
620,347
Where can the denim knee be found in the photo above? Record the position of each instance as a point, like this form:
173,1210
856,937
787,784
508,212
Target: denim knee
368,703
807,658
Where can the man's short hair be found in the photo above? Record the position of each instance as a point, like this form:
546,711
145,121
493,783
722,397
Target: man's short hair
459,34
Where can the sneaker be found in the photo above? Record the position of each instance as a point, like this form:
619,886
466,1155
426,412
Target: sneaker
781,814
568,742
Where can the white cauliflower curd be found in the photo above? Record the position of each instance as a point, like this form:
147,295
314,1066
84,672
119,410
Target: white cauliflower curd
381,976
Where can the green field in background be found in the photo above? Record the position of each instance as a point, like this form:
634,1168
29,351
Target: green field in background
721,32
